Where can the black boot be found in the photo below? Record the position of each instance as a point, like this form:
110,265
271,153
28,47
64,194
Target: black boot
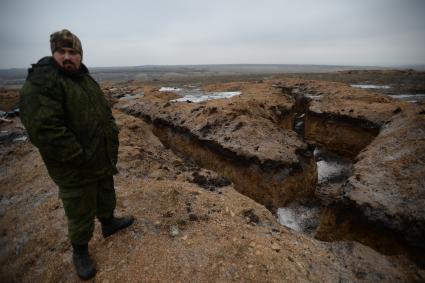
112,225
82,262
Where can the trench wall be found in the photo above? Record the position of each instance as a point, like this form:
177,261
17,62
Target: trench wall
272,187
343,136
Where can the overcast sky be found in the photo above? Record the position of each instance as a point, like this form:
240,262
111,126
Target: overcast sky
182,32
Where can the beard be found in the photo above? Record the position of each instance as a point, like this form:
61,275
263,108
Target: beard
69,67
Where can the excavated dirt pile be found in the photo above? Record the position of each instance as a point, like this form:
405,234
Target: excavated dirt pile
203,180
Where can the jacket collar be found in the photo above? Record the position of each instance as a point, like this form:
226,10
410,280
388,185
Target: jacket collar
48,60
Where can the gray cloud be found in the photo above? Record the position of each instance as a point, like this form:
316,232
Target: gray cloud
114,33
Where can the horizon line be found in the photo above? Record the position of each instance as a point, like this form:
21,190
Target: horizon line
246,64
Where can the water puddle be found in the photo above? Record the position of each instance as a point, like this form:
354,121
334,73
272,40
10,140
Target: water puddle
369,86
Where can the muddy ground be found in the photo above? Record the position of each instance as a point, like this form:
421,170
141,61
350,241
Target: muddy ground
196,225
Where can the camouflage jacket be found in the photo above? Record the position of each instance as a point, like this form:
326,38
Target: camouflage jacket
69,120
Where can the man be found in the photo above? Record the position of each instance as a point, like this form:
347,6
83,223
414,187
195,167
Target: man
69,120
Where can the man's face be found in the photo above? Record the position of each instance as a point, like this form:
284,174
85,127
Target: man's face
68,58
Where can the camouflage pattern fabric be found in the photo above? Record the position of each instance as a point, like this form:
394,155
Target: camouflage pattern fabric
65,38
69,120
83,203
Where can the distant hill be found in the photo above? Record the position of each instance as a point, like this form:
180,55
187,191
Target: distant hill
418,67
152,72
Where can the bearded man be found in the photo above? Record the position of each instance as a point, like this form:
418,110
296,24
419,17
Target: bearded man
69,120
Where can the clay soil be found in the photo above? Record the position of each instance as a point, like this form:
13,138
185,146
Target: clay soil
192,225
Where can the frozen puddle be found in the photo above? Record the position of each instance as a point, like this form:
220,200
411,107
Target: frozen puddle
132,96
332,170
409,97
371,86
199,96
330,167
303,219
314,97
194,94
175,89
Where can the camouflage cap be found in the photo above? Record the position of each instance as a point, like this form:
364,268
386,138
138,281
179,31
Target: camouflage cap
65,38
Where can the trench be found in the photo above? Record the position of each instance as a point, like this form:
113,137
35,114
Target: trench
337,141
270,184
305,197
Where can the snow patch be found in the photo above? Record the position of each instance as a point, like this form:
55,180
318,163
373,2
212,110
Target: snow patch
409,97
330,167
200,96
132,96
367,86
302,219
174,89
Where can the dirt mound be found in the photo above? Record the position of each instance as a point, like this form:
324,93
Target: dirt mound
388,183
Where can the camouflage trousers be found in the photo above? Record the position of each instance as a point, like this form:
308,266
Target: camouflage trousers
83,204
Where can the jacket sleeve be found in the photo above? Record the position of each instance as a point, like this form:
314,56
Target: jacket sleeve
112,128
43,116
115,138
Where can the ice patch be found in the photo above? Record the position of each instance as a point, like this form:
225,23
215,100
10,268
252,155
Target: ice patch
314,97
371,86
176,89
302,219
23,138
200,96
330,167
327,170
409,97
287,217
131,96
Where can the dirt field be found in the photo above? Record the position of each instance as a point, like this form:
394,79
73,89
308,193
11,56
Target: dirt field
196,225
